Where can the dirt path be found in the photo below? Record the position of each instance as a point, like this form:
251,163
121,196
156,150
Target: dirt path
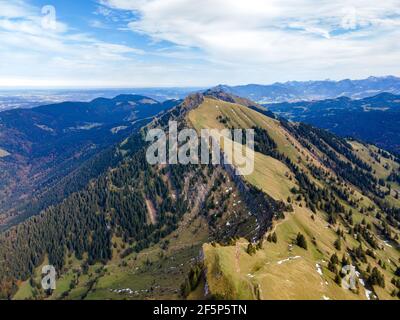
277,224
152,212
237,257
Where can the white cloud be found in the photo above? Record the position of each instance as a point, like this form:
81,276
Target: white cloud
208,42
15,9
281,39
98,24
32,54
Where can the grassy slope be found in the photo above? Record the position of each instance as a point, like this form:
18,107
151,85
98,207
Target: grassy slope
154,273
364,152
157,273
232,273
382,169
269,174
269,270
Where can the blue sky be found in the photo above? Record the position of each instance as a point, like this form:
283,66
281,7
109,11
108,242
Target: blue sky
145,43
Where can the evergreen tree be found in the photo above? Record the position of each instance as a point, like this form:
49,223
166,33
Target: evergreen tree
338,244
301,241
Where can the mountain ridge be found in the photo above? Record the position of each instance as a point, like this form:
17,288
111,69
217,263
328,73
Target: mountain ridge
308,184
373,119
294,91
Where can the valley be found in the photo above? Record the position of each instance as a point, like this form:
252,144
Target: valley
47,145
373,119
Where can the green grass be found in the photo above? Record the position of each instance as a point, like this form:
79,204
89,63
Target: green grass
237,276
149,274
269,174
25,291
364,153
228,276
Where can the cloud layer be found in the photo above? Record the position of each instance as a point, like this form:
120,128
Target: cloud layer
35,53
191,42
282,39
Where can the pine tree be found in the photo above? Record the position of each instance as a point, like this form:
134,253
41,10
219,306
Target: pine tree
338,280
338,244
251,249
301,241
335,259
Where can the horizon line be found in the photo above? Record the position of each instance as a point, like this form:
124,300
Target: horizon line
123,87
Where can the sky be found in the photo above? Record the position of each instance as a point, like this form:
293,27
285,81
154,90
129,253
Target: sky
181,43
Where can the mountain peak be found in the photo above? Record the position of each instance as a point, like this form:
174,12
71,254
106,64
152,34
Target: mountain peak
221,93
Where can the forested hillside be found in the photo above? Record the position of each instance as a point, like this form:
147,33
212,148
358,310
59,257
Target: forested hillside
374,119
314,203
46,147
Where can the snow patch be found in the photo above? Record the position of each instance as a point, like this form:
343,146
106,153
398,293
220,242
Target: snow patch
368,294
319,270
288,259
387,244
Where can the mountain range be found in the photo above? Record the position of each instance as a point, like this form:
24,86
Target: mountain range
295,91
374,119
31,98
316,203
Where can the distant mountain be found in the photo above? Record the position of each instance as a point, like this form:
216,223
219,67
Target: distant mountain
374,119
40,146
316,90
25,98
